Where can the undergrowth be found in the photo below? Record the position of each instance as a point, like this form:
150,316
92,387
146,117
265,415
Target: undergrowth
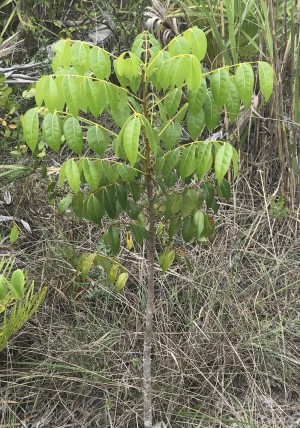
226,334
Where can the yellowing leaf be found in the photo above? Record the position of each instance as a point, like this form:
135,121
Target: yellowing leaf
121,281
166,259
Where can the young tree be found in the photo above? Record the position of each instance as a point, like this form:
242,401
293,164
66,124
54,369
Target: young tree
136,171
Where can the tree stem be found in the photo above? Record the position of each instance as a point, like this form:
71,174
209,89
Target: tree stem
148,414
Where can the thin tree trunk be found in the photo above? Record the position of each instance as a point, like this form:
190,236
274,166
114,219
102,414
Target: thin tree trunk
148,413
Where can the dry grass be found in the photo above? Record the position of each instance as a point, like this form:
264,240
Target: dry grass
226,341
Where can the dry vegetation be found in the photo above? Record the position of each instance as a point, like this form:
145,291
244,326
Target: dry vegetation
227,333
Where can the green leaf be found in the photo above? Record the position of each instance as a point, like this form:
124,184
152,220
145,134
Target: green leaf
73,134
172,101
39,91
179,46
209,193
193,76
224,190
121,281
110,202
50,94
233,102
151,134
72,93
94,92
130,138
63,54
52,131
219,84
73,175
199,224
166,259
128,67
3,287
204,159
78,205
187,161
30,123
139,233
17,284
121,192
64,203
266,79
244,81
174,227
111,170
100,63
197,99
188,229
173,205
177,71
97,140
126,172
94,208
171,160
80,57
171,135
112,239
132,210
14,234
92,173
188,205
197,41
195,123
212,112
135,189
223,159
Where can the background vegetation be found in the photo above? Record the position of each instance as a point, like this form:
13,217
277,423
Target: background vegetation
226,342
